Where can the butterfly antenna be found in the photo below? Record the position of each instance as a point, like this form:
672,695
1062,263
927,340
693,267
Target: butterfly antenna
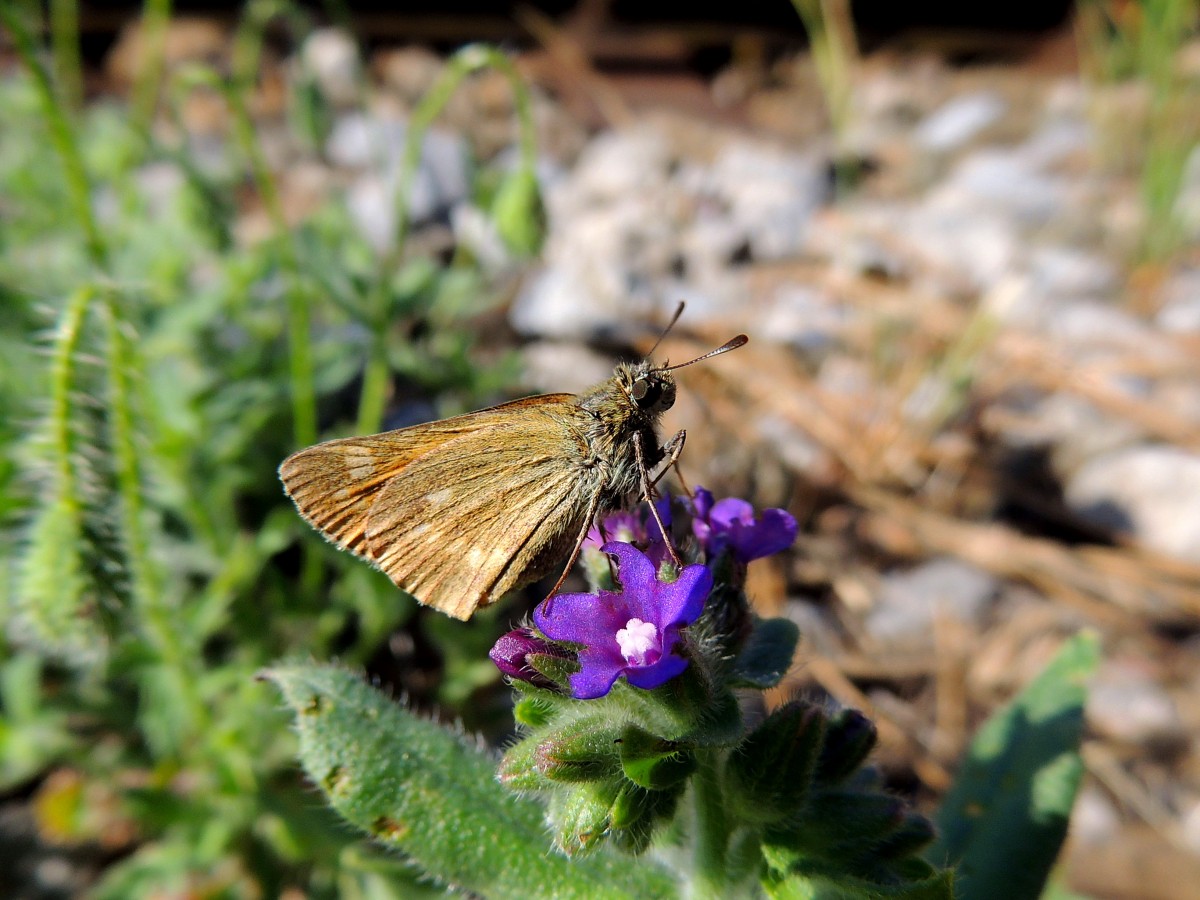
667,330
731,344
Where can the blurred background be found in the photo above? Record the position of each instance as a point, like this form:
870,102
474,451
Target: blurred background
966,248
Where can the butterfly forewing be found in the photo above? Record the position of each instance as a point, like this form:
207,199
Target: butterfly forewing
504,518
456,512
334,484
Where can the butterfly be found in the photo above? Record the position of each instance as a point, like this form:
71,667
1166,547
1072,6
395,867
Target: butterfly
461,511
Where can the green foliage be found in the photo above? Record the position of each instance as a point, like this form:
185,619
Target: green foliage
784,807
1013,797
155,368
419,788
1145,104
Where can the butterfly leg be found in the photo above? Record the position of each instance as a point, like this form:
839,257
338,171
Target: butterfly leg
672,450
593,508
648,490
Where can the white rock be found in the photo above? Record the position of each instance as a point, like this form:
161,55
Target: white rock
620,163
1149,491
1190,825
1052,144
331,55
360,141
1076,431
1187,201
909,602
555,366
475,231
959,120
1060,271
1004,181
1094,819
1089,324
160,184
807,318
770,193
1180,309
376,147
957,238
1125,703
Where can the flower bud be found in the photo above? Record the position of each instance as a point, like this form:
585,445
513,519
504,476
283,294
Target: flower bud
849,739
518,769
513,655
637,812
580,817
584,750
915,833
518,214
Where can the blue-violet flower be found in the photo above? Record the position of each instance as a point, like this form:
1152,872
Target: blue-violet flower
632,632
731,524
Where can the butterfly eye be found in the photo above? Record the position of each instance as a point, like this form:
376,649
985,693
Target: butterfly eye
652,394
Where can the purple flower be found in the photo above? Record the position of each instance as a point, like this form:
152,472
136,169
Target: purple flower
636,527
512,651
731,524
633,632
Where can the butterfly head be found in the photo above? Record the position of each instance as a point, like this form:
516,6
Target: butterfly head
650,389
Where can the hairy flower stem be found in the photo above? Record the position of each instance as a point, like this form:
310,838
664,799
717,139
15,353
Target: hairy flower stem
711,830
161,626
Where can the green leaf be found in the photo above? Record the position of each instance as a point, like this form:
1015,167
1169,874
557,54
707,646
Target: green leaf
1005,817
767,654
433,795
770,771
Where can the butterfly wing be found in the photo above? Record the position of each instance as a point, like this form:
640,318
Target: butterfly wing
335,484
488,511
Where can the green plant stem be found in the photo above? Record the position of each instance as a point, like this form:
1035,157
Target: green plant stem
710,871
68,64
834,47
247,51
156,14
373,399
62,136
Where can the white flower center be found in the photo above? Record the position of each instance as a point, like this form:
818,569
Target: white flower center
637,640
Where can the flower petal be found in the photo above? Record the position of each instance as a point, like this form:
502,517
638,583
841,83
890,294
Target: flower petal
634,570
580,618
682,601
649,677
730,510
598,673
776,531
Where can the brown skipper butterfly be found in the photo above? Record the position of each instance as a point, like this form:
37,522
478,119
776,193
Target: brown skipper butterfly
461,511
